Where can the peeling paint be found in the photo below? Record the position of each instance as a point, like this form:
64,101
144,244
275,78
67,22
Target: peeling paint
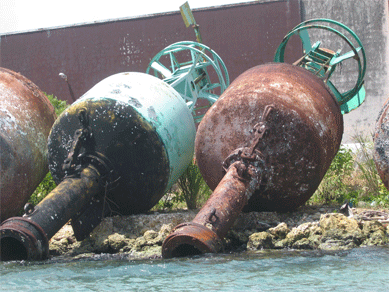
152,114
134,102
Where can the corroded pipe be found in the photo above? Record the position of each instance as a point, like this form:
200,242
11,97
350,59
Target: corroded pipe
27,237
116,150
205,233
283,127
26,117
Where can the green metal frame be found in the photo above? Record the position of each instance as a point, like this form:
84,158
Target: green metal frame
323,62
191,78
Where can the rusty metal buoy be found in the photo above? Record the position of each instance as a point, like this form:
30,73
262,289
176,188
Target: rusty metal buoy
303,127
26,117
264,145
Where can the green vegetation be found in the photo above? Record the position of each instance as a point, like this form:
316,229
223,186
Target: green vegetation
59,105
43,189
193,187
48,184
353,176
190,190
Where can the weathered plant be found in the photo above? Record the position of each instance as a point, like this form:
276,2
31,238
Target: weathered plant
333,187
48,184
352,176
193,186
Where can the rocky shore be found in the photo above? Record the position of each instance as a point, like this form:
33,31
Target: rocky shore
309,227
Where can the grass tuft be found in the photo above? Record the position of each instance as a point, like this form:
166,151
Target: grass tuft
353,176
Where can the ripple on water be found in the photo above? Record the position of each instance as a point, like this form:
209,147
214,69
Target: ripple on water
362,269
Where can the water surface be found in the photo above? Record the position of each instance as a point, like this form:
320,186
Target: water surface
361,269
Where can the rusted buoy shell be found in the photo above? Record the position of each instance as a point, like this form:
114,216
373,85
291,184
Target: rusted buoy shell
381,144
26,117
304,132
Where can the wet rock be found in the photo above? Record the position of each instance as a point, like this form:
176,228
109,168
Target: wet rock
337,244
236,240
260,240
57,247
310,227
154,251
150,235
139,243
304,243
280,231
337,228
165,230
333,232
300,232
375,233
116,242
62,242
142,246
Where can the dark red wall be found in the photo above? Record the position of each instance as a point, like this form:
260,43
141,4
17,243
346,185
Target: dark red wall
244,35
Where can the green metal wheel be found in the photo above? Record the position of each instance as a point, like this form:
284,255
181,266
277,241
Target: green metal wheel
195,71
323,62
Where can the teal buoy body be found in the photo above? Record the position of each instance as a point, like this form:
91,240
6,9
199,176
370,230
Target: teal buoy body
138,123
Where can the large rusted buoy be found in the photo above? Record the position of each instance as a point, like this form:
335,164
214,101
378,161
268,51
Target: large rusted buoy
381,144
26,117
304,130
265,145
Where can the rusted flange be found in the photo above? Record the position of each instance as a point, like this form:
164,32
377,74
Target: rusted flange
22,239
190,239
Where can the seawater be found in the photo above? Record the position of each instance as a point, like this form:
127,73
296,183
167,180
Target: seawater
361,269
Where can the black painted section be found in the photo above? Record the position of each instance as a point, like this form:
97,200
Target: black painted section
130,143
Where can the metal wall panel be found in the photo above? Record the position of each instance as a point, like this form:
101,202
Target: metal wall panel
244,35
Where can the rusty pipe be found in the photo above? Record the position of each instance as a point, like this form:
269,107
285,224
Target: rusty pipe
205,233
27,237
244,169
